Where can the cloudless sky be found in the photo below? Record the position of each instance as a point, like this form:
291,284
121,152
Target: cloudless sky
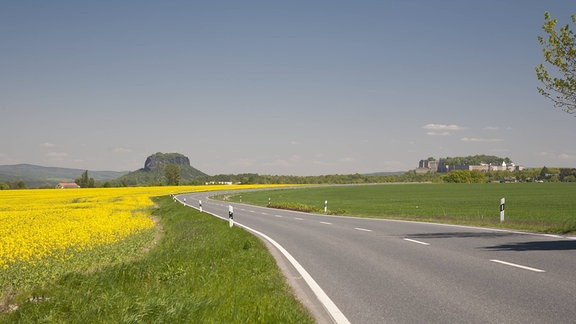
277,87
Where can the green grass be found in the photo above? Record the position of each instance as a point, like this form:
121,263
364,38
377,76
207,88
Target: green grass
544,207
199,271
26,276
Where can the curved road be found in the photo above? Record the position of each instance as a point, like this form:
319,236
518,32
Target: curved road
384,271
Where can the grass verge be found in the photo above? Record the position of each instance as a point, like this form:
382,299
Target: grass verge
200,271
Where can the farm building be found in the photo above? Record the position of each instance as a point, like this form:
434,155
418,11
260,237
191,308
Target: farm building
67,185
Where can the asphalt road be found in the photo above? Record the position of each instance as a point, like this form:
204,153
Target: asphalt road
382,271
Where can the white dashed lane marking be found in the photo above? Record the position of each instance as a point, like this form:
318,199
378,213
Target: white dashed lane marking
414,241
518,266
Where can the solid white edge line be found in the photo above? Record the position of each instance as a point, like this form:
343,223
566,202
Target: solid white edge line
328,304
332,309
414,241
517,265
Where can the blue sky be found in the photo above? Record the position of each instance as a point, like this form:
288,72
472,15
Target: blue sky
277,87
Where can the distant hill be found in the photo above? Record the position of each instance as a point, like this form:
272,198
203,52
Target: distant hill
153,171
35,176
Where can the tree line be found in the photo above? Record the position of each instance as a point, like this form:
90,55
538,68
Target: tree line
457,176
527,175
172,178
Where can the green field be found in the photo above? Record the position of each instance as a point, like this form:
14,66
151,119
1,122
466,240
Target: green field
544,207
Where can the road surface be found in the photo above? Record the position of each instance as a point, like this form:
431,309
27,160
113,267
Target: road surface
385,271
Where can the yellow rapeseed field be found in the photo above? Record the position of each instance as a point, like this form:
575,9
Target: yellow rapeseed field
36,224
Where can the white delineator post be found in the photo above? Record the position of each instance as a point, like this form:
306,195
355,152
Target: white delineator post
231,215
200,203
325,206
502,201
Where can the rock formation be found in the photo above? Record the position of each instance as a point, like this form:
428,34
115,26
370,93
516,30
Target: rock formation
160,160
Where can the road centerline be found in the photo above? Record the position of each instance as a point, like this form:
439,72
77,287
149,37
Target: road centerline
517,265
362,229
415,241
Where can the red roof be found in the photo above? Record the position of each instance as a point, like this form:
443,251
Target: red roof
67,185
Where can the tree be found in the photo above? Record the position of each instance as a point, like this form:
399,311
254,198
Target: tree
559,52
464,176
84,181
477,176
172,174
544,173
567,175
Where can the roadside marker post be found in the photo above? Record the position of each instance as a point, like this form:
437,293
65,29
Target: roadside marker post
231,215
502,201
200,203
325,206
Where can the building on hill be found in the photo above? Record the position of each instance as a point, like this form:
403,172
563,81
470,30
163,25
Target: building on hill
427,166
433,166
486,167
483,167
67,185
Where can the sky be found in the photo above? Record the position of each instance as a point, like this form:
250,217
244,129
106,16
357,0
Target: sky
277,87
